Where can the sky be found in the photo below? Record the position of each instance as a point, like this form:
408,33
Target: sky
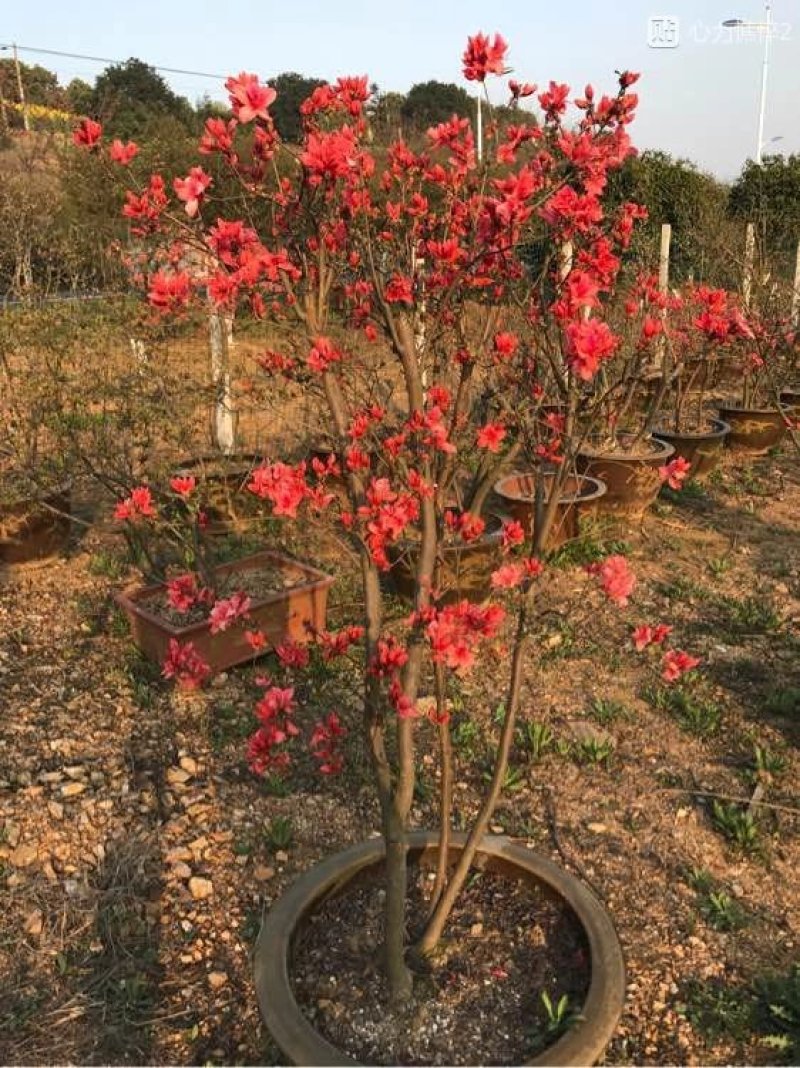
699,100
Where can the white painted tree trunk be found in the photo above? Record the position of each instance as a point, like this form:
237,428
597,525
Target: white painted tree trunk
223,419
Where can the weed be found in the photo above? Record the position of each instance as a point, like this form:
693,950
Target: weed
717,1010
750,615
766,764
279,834
779,1012
722,911
682,589
466,738
719,566
558,1014
604,711
736,824
594,751
690,491
597,540
106,564
513,780
534,739
784,703
229,723
694,712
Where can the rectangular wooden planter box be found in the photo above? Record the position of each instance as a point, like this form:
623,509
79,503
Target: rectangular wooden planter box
281,616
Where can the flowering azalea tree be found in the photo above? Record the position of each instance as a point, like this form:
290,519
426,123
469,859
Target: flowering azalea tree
434,351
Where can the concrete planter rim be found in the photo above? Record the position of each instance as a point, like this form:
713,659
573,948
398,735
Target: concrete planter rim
582,1044
591,489
658,451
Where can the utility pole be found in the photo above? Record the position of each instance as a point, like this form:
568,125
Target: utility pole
21,90
763,101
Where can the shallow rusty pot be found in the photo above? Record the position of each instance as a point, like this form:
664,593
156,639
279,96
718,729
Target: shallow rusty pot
582,1044
702,451
632,478
579,497
465,568
35,527
753,430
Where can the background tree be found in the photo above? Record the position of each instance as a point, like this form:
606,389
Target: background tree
292,89
769,196
40,84
429,103
129,97
386,115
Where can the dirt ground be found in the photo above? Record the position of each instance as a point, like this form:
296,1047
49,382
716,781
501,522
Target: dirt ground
138,855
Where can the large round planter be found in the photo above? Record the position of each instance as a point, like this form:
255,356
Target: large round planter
582,1044
465,571
702,451
35,527
578,499
753,430
632,478
790,398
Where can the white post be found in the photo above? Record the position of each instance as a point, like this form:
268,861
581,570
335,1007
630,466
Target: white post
479,138
663,257
749,257
223,424
764,67
795,312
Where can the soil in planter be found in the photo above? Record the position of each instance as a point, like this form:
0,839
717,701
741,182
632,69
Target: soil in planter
257,583
481,1001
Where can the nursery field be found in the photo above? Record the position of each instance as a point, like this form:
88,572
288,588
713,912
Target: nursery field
138,854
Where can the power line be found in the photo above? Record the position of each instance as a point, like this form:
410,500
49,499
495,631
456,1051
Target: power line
105,59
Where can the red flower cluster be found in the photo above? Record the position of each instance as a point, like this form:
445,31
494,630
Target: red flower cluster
483,56
249,98
385,517
616,578
185,665
228,611
88,134
456,630
285,486
675,472
139,505
324,744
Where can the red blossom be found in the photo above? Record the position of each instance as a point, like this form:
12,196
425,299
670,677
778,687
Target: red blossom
674,473
182,592
483,56
508,577
490,436
192,188
121,153
228,611
183,485
616,578
293,655
676,663
513,534
285,486
589,342
324,744
185,665
169,292
139,505
249,98
87,134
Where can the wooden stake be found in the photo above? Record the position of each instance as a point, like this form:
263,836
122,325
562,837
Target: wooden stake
795,312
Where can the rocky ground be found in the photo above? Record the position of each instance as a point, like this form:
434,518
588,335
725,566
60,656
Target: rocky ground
138,855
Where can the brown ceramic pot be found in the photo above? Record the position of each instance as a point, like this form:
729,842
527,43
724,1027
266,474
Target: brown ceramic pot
35,527
584,1041
702,451
632,478
222,482
753,430
465,567
579,497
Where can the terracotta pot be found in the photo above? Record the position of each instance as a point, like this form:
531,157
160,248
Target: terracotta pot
790,397
753,430
281,616
579,497
31,530
582,1044
703,451
222,481
632,479
466,567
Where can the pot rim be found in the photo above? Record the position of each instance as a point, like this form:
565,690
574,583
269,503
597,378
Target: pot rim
721,430
662,450
595,488
582,1044
134,598
737,409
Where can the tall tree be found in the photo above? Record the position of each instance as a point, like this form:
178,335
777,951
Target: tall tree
429,103
769,196
129,96
292,89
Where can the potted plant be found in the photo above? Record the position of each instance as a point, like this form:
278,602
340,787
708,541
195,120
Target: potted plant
406,276
697,350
